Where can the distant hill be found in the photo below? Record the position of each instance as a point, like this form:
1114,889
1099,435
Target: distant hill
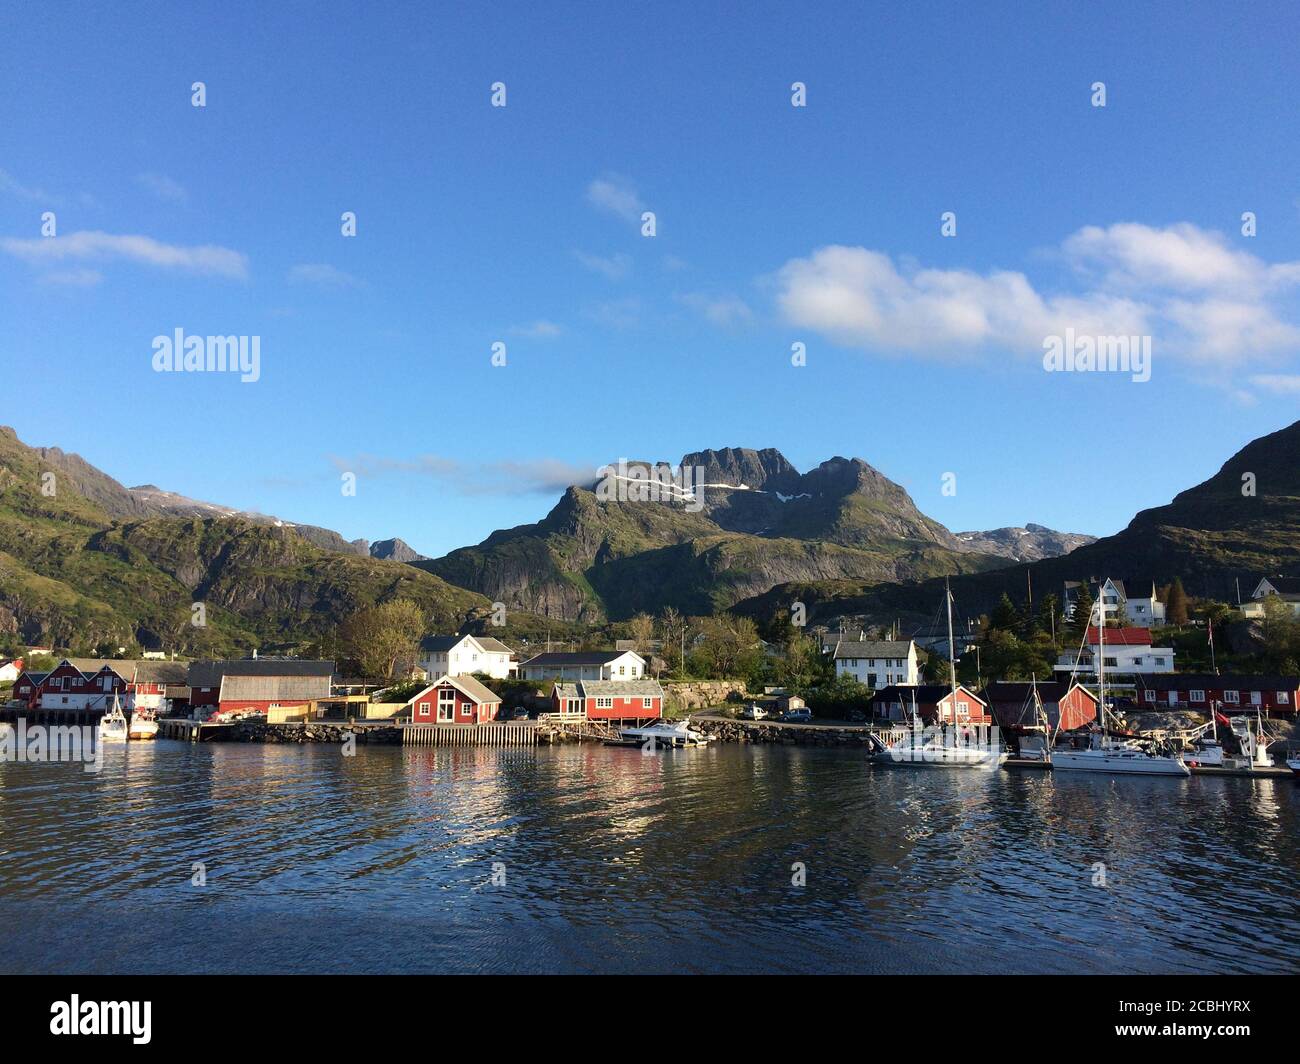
755,522
1209,536
395,550
95,562
1026,544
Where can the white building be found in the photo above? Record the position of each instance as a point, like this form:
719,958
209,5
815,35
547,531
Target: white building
1135,600
9,669
460,655
1286,588
584,665
1127,652
877,662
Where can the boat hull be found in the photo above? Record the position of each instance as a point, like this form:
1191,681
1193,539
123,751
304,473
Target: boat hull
1101,761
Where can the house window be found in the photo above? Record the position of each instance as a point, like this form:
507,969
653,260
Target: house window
1173,698
604,703
1196,696
647,703
1256,698
1284,698
424,709
1232,696
622,670
446,704
1150,696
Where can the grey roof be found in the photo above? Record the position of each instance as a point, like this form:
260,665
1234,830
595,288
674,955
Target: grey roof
566,690
467,685
874,648
494,646
440,643
620,689
209,673
580,657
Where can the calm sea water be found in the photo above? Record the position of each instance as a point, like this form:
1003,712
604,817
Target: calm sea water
618,862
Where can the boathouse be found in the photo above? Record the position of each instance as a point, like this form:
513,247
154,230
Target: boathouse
933,703
1230,694
1068,706
454,700
257,685
610,700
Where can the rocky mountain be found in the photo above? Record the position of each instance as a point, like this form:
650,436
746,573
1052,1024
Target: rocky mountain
1027,544
1241,523
395,550
84,560
731,523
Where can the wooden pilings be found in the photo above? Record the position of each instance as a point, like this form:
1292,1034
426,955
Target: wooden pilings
508,733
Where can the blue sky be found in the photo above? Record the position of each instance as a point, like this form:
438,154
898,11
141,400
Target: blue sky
775,224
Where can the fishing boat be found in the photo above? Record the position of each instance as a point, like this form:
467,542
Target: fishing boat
1105,754
941,747
671,734
112,725
143,725
1293,763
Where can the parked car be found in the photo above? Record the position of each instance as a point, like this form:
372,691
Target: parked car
797,716
857,716
753,712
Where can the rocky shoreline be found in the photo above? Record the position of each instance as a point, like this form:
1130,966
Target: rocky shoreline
254,731
737,731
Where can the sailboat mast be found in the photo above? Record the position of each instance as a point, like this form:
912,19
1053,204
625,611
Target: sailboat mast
952,655
1101,662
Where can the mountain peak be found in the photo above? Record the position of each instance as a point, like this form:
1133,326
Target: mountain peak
765,470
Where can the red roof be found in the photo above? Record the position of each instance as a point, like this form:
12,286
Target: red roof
1127,637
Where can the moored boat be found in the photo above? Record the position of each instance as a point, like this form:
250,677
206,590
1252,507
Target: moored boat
143,725
662,733
112,725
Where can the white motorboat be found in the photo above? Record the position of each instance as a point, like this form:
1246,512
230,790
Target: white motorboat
1293,763
143,725
666,733
112,725
1105,754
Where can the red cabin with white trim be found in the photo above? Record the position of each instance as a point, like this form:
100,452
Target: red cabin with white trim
455,700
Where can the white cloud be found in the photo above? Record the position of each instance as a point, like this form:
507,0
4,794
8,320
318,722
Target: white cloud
616,313
1195,295
94,246
614,267
538,330
322,275
10,184
615,195
547,476
1277,383
724,311
164,187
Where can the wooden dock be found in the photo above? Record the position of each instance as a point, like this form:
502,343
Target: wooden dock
189,731
506,733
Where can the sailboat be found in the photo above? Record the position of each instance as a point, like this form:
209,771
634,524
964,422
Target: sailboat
112,725
1106,755
935,747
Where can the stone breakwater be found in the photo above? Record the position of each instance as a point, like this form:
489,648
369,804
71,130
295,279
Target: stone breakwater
737,731
255,731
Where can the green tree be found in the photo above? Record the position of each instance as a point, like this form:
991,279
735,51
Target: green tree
384,639
1005,617
1081,619
1176,603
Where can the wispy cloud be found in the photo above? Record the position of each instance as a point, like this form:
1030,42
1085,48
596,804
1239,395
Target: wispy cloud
322,275
725,311
615,267
1198,296
618,313
616,195
1277,383
95,246
77,278
546,476
164,187
11,185
537,330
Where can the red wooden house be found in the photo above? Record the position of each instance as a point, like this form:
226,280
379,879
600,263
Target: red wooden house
1229,694
455,700
1068,706
933,703
84,685
256,685
613,700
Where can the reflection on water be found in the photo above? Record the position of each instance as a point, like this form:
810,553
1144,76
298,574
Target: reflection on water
614,861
